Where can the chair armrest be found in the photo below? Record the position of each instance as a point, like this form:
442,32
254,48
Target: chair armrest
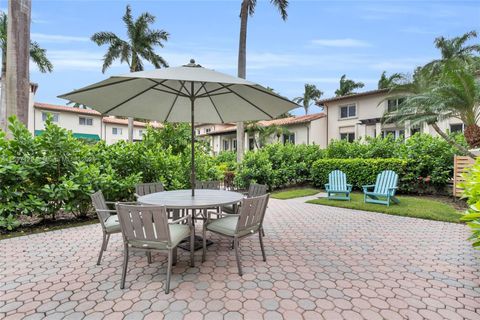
111,202
327,186
368,186
349,187
105,210
180,220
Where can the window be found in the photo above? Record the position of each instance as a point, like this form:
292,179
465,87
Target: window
85,121
46,114
116,131
458,127
251,144
208,130
235,144
140,132
225,145
198,131
349,111
289,138
393,104
349,136
414,130
396,133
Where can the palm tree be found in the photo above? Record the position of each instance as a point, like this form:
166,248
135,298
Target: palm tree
311,93
391,81
248,9
456,93
347,86
139,47
37,54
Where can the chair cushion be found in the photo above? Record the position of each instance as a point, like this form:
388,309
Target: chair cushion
178,232
112,225
228,226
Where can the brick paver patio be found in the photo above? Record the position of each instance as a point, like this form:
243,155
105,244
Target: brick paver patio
322,263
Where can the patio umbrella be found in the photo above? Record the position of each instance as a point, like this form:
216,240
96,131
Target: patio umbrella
189,93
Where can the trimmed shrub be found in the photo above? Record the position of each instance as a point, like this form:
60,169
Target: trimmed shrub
359,171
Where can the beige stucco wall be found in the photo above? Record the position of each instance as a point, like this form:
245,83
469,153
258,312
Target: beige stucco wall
111,138
69,121
369,107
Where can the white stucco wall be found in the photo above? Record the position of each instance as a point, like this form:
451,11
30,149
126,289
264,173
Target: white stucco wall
69,121
111,138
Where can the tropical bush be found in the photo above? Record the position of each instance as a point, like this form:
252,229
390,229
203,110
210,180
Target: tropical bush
43,175
278,165
359,171
472,193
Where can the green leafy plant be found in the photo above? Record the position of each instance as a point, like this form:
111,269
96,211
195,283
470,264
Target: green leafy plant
472,193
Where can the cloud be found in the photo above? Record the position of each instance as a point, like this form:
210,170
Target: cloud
331,80
341,43
57,38
418,30
404,64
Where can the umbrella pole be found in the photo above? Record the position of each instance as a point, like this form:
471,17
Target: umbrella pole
192,175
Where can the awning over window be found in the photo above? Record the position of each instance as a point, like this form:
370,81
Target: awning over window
86,136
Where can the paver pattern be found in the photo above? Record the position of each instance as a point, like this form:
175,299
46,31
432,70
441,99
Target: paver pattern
322,263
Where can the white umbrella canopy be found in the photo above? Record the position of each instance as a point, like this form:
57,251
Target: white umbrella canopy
189,93
166,95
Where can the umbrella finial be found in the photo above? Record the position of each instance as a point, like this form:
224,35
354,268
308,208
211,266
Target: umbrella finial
192,64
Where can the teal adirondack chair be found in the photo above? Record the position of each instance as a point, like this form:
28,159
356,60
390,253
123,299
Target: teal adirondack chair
337,187
383,190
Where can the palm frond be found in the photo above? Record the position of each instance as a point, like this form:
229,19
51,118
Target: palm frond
282,6
39,57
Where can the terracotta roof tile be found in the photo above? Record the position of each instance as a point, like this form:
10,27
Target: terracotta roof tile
52,107
278,122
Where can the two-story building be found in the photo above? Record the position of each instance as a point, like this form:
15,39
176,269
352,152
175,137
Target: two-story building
306,129
84,123
359,115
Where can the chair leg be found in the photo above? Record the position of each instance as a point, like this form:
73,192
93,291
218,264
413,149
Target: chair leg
192,248
169,271
174,256
261,244
263,232
125,264
149,256
204,249
237,255
106,243
102,248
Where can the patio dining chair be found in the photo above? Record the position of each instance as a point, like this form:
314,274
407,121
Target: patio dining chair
108,220
254,190
142,189
214,185
147,228
247,222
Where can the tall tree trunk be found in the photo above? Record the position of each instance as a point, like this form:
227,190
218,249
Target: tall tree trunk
242,73
452,141
18,53
3,96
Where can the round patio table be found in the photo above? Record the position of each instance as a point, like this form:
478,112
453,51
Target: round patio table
183,199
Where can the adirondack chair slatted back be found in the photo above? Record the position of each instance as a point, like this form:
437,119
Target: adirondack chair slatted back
147,188
214,185
252,212
99,204
385,180
337,180
144,223
255,190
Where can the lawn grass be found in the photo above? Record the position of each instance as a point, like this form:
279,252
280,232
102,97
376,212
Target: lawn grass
415,207
294,193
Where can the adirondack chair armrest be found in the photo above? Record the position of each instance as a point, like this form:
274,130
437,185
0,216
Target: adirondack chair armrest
111,202
392,190
368,186
136,195
327,186
349,187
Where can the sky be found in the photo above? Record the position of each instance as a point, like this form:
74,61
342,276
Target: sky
319,42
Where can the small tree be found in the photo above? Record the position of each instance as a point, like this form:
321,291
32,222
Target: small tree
347,86
310,95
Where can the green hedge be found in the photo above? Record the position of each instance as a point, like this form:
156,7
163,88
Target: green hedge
472,193
359,171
